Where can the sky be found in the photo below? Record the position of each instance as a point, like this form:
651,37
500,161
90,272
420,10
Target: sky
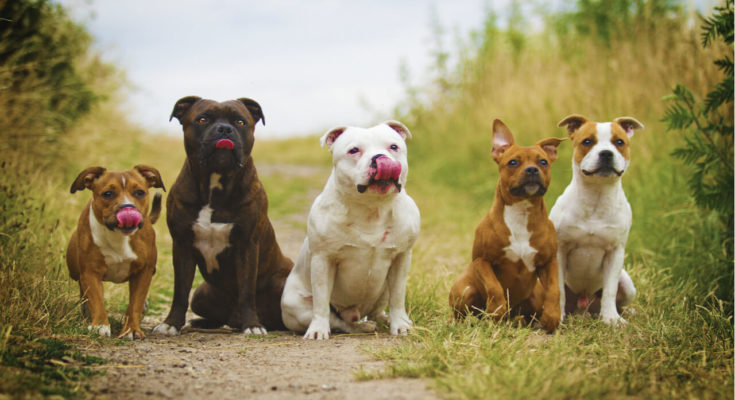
311,65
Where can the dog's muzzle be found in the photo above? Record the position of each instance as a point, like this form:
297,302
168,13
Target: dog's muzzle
384,172
128,219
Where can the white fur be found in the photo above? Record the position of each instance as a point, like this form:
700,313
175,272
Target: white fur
165,330
211,238
592,220
516,219
115,248
102,330
357,252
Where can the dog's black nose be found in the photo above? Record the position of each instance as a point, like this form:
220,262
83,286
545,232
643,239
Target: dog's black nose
606,155
530,171
373,163
224,129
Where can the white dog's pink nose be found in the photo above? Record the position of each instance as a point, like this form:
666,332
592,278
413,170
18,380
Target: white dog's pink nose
128,217
385,168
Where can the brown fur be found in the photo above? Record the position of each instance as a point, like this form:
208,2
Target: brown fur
84,258
491,282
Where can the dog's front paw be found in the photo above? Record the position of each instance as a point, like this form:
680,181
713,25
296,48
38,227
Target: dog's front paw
165,330
550,321
131,334
613,319
401,326
318,330
102,330
255,330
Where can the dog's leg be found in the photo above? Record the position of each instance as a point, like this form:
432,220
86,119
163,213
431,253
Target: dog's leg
138,287
400,324
495,301
91,286
247,284
551,312
322,283
561,260
184,269
626,290
612,266
378,314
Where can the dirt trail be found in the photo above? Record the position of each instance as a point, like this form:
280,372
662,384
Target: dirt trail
199,365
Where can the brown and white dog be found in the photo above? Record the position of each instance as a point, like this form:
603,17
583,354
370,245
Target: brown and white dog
514,253
592,219
115,241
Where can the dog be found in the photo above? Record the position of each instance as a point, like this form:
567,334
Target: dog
114,241
217,214
513,268
361,228
592,219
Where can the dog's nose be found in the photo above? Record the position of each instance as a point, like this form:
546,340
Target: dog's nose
606,155
224,129
530,171
375,157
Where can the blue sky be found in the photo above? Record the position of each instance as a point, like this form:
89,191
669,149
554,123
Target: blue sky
311,65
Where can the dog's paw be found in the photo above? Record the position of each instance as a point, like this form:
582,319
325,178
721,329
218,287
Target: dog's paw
364,327
318,330
102,330
401,327
131,334
550,322
613,319
165,330
255,330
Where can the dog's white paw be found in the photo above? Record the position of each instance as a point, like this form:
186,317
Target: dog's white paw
401,326
165,330
102,330
613,319
255,330
318,330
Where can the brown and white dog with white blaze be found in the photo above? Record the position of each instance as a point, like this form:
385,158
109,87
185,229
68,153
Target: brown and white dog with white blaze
593,218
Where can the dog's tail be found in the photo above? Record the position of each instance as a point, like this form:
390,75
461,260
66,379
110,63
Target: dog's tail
156,208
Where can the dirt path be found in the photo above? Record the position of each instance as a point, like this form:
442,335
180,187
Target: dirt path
198,365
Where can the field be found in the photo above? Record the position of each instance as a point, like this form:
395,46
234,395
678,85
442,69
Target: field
678,342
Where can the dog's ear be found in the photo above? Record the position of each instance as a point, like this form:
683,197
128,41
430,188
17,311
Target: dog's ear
628,124
549,146
151,175
400,128
572,122
182,106
255,110
86,178
332,135
502,139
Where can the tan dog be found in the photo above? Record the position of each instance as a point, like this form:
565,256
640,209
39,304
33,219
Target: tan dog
114,241
514,254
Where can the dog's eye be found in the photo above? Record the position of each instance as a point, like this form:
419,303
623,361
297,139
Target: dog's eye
202,120
108,195
394,147
513,163
139,193
543,163
240,122
353,150
587,142
619,142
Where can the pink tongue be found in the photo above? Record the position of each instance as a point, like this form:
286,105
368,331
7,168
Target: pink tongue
225,144
128,217
387,169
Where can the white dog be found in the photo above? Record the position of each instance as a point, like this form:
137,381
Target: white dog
592,219
361,228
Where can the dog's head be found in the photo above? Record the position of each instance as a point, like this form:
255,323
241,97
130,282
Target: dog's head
524,171
601,149
369,161
218,136
119,199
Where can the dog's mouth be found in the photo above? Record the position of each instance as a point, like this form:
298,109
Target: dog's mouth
529,188
383,175
604,171
221,154
128,219
224,144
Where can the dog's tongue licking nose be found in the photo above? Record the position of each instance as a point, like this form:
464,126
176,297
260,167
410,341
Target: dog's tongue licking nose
385,168
225,144
128,217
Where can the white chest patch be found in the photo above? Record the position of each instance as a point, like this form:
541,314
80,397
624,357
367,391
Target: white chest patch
210,238
516,219
115,248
